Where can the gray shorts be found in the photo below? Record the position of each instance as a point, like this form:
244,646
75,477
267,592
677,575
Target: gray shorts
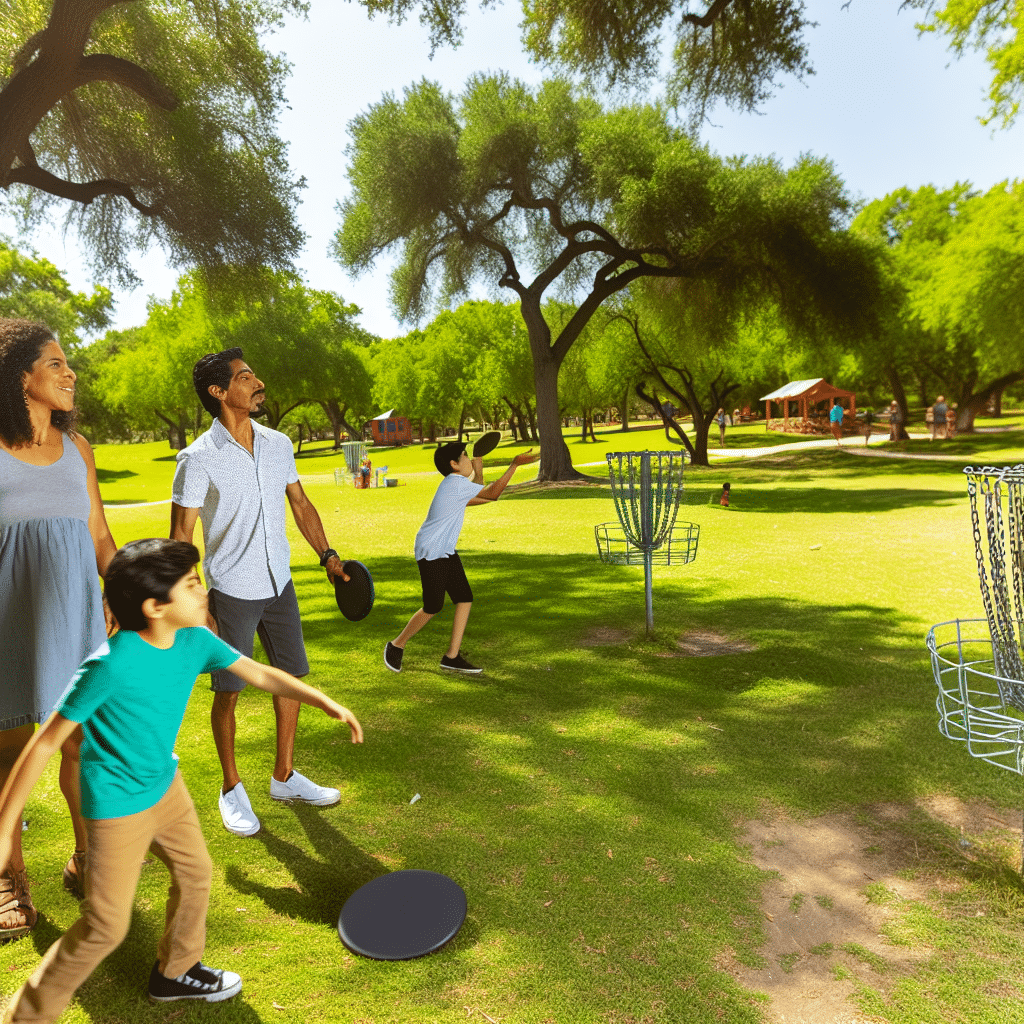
275,619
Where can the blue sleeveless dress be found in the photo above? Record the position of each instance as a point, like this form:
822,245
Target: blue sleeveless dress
51,606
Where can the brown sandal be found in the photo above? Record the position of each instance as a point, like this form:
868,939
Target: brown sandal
17,915
74,875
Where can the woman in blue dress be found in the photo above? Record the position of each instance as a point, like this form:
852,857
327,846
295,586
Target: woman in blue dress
54,545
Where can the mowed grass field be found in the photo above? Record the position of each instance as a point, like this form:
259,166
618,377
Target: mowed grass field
589,789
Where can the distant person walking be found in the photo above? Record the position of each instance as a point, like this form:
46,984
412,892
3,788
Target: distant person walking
951,421
939,410
720,420
668,413
869,422
896,431
835,419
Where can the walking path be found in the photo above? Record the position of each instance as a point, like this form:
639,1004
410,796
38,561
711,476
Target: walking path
853,444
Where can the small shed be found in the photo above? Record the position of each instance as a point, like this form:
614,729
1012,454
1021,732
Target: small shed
806,395
389,429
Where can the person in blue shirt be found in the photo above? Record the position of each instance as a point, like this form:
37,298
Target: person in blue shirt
130,698
835,418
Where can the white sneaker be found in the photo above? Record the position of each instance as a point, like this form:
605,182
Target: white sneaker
299,788
236,812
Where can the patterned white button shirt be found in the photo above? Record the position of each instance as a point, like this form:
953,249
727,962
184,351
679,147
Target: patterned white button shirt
439,534
241,501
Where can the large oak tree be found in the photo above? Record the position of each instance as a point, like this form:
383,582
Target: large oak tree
545,194
149,121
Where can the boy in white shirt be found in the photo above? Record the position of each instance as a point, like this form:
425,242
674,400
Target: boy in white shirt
439,564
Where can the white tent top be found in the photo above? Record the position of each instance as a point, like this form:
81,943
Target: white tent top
385,415
793,389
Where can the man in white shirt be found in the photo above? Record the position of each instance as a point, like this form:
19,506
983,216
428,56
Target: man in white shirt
234,478
439,564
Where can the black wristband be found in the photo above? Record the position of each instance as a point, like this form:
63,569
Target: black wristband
328,555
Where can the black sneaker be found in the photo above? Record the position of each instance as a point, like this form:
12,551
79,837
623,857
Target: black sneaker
393,657
459,664
198,982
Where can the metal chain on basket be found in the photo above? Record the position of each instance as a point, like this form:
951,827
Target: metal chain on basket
1003,598
663,497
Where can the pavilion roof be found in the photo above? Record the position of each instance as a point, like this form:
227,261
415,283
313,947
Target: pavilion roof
816,389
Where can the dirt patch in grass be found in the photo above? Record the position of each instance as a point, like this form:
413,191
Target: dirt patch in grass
606,636
840,878
703,643
698,643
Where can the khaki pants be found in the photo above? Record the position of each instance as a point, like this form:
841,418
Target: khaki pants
117,846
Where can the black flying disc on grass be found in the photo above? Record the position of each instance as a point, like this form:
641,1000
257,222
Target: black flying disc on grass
355,598
402,915
486,443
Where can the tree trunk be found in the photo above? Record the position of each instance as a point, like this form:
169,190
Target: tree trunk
514,419
977,402
555,461
624,409
531,422
900,396
176,429
333,413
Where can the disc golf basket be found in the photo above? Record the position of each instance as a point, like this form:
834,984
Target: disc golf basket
977,663
354,453
646,488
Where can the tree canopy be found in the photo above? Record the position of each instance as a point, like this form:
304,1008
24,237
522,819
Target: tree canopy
957,262
33,288
729,50
544,193
149,121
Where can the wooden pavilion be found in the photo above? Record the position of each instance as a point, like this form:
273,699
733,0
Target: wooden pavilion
806,395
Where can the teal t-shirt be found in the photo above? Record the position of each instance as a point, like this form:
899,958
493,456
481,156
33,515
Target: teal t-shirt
130,698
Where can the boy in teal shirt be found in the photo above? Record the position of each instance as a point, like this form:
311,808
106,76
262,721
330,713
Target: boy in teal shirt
130,698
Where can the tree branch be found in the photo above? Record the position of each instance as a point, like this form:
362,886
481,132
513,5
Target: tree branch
713,13
84,192
26,52
104,67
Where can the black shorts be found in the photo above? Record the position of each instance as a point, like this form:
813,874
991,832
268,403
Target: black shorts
275,619
440,576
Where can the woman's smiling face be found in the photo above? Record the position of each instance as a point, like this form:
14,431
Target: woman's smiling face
51,382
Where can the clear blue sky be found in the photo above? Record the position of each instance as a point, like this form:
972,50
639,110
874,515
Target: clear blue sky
888,107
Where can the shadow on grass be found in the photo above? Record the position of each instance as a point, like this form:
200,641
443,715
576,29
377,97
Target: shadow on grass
821,675
588,794
109,476
325,881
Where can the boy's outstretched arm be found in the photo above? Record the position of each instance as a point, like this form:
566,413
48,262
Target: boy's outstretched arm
493,490
273,680
25,774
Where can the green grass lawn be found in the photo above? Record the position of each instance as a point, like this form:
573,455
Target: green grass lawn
588,790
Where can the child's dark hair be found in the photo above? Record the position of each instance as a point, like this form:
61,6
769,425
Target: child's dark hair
725,487
143,569
213,369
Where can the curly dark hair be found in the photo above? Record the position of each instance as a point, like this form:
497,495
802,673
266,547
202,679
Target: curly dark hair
213,368
21,341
